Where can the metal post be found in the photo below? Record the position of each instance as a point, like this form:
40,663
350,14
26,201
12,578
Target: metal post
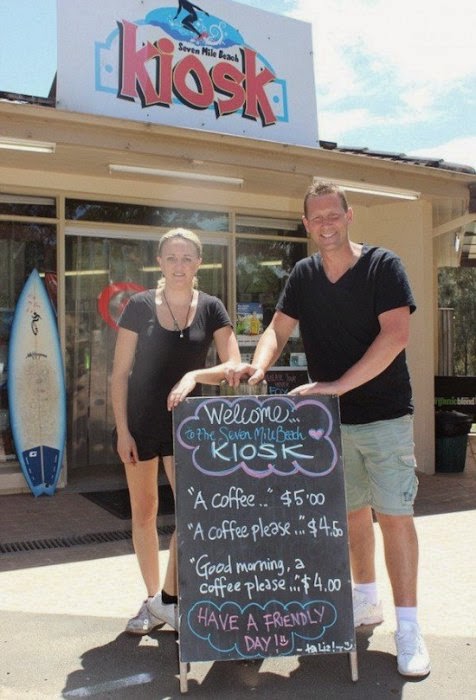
445,342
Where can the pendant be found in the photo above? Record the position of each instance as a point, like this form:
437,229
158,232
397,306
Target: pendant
181,334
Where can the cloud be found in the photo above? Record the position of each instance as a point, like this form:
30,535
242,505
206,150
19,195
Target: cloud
342,122
414,43
386,70
459,150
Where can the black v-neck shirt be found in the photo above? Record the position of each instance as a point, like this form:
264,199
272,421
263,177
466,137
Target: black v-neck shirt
339,321
162,358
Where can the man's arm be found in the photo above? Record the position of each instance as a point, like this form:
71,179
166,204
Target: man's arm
391,340
269,348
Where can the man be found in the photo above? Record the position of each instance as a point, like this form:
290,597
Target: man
353,304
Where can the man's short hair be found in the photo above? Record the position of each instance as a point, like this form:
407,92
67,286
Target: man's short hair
320,188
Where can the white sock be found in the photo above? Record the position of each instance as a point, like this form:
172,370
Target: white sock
369,590
406,614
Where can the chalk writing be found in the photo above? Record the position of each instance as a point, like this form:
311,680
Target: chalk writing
255,630
262,528
282,439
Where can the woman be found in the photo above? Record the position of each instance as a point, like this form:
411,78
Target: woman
163,339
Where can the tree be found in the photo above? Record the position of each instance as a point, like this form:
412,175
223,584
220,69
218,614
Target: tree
457,290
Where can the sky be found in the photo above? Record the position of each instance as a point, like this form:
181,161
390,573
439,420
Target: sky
390,76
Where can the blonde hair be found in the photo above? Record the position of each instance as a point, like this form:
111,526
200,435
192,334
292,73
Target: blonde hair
186,235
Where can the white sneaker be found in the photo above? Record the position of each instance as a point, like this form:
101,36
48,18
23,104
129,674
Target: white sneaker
412,655
164,612
366,613
144,622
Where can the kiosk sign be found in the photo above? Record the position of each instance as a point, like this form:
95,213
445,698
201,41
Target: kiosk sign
210,67
261,528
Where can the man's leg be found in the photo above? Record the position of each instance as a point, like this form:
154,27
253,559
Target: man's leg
401,557
362,545
367,607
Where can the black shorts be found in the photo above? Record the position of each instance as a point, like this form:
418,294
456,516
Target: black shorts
148,446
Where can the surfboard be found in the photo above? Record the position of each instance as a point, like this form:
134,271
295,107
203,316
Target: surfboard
36,388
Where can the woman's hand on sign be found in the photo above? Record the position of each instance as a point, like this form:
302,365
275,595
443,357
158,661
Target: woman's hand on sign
234,375
181,390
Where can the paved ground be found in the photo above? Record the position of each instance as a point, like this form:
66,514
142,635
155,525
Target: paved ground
62,613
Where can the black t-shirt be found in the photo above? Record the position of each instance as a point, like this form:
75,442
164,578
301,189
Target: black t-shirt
339,321
162,358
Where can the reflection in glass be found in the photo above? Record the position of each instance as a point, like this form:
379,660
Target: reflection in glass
20,205
263,267
141,215
269,226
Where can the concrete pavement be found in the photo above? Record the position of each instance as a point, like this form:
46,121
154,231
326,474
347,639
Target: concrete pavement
63,610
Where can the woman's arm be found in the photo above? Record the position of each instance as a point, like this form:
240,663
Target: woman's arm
229,354
126,343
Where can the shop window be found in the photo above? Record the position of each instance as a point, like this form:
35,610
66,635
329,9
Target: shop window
263,267
18,205
269,226
22,248
139,215
101,273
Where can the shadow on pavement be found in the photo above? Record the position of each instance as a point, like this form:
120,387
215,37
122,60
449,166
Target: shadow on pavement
128,668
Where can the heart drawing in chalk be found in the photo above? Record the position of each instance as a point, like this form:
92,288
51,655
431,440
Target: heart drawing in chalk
316,434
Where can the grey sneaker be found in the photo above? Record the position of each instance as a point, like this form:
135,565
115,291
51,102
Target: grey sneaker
412,655
366,613
164,612
145,621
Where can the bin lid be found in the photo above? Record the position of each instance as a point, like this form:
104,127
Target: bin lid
450,423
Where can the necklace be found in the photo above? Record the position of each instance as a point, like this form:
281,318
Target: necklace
176,325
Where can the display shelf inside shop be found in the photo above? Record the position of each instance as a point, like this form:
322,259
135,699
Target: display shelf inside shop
248,339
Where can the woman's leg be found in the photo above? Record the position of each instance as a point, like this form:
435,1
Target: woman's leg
170,582
143,492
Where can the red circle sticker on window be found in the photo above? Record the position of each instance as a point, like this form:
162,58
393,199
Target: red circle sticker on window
113,298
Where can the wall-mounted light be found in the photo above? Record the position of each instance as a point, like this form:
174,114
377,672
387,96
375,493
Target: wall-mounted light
457,243
85,273
204,266
377,190
27,145
176,174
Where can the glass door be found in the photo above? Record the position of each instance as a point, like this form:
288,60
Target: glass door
103,269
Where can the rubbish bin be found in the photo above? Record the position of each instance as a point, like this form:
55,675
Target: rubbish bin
451,429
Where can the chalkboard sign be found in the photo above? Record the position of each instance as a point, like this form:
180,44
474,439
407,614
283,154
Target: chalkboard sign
261,528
